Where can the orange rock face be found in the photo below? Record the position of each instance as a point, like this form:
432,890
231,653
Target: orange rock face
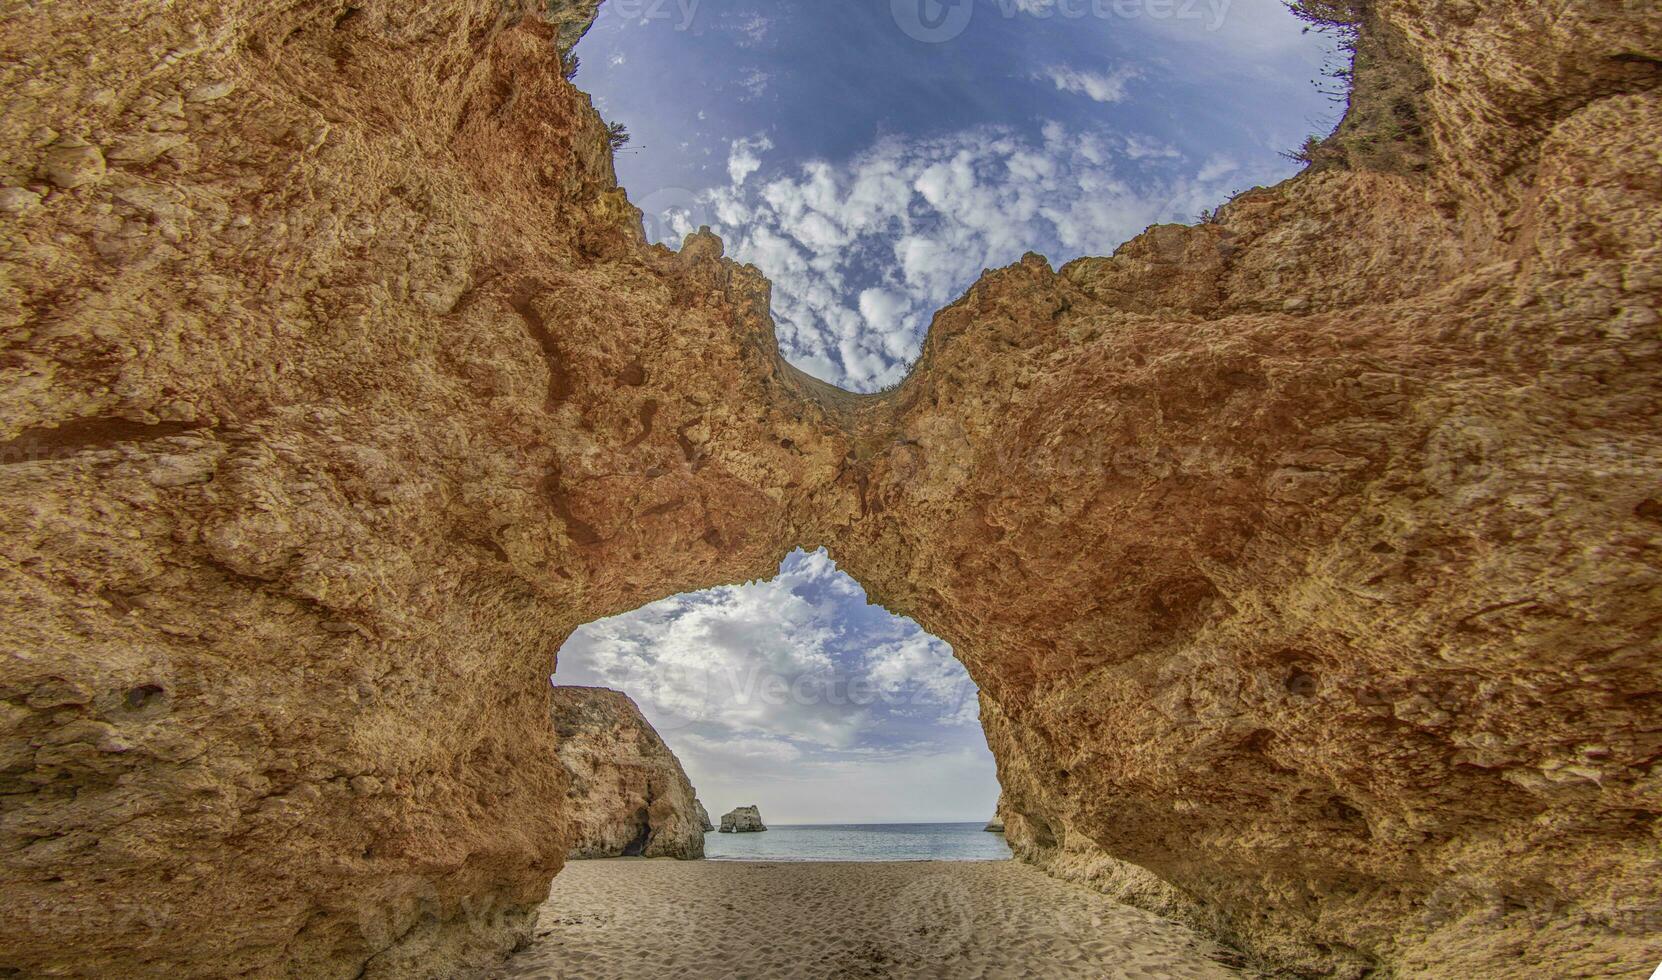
629,796
1307,560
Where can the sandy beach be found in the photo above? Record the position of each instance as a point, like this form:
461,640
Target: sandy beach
642,919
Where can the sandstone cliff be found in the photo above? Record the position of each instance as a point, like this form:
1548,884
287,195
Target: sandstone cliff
628,796
1307,560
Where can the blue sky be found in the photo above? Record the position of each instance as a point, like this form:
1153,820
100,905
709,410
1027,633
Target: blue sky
872,157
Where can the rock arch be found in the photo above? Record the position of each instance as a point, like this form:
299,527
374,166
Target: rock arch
1307,559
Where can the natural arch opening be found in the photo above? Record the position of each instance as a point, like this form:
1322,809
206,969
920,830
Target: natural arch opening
793,694
872,167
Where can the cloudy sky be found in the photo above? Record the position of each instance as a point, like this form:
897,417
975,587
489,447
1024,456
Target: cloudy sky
872,157
797,695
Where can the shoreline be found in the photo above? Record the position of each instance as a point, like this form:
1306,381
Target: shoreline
863,843
730,859
646,918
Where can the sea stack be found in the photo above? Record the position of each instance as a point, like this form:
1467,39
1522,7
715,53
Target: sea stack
742,820
629,796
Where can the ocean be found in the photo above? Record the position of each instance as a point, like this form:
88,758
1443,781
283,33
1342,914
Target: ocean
860,842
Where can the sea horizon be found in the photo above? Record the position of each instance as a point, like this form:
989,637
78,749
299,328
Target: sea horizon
956,840
871,823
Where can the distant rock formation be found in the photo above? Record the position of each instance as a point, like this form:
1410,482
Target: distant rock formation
629,796
996,824
742,820
703,817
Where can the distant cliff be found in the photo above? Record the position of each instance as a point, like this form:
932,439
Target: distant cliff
629,796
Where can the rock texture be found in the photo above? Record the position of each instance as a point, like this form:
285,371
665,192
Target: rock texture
742,820
1307,560
703,817
629,796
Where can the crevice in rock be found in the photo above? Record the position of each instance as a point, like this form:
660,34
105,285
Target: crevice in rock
638,844
67,439
523,301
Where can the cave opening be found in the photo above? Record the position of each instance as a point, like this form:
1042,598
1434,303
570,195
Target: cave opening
793,694
872,158
643,834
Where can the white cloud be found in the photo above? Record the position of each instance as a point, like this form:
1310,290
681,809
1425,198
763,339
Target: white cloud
1216,167
753,30
736,751
800,659
1139,147
797,694
923,664
1096,86
745,158
818,233
755,84
863,252
886,314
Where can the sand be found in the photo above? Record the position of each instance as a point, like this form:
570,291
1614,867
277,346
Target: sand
641,919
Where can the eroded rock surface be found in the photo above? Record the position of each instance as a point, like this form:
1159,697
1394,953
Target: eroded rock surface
1307,560
629,796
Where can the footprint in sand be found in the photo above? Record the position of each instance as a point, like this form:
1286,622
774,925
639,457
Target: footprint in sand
931,918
